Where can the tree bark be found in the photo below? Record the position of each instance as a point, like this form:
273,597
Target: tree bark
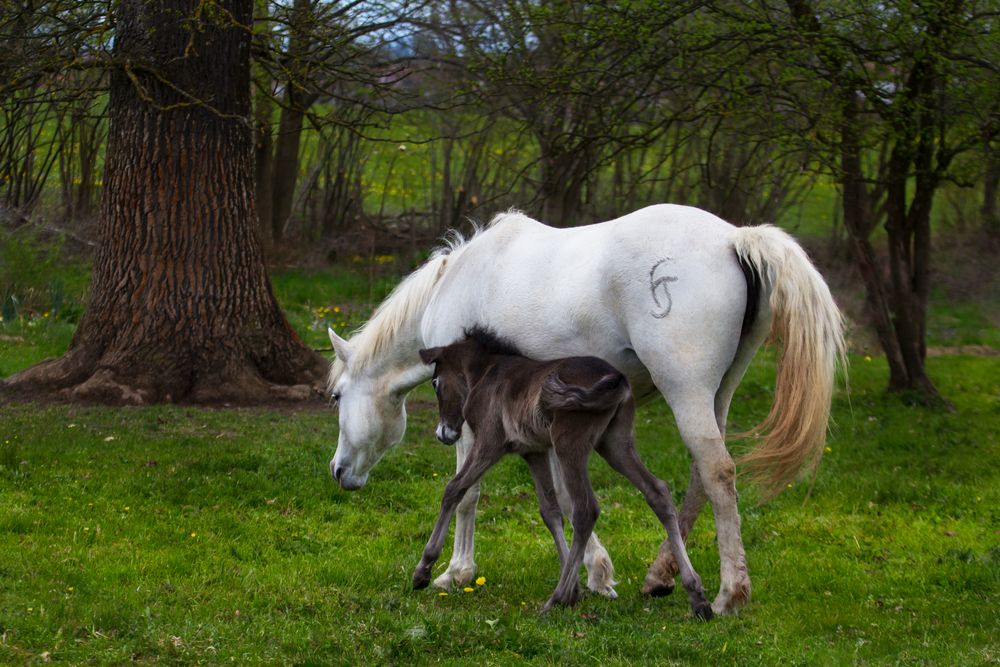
181,308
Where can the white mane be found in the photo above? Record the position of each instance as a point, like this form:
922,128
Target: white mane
406,303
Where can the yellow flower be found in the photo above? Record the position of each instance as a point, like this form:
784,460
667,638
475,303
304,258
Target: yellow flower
481,581
70,589
336,309
468,589
194,534
442,594
828,450
867,358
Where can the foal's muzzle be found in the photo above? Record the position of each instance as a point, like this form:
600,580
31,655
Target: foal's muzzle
447,434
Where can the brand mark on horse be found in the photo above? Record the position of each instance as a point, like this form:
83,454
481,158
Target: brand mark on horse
663,309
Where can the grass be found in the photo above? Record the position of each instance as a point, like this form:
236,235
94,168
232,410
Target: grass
182,535
175,534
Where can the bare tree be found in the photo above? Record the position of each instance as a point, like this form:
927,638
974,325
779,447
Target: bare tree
180,306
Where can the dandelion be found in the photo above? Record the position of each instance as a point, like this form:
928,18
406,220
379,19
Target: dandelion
336,309
442,594
827,450
468,589
194,535
867,358
69,588
789,485
481,581
126,508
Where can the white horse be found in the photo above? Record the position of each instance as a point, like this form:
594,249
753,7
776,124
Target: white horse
674,297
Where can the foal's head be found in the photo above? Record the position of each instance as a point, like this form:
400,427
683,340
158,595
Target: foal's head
456,368
451,387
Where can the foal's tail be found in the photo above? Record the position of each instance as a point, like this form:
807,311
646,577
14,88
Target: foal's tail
604,394
808,325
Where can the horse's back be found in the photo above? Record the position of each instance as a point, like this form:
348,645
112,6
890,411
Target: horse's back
665,276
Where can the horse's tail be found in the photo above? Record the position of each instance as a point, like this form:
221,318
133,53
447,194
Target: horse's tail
808,325
610,390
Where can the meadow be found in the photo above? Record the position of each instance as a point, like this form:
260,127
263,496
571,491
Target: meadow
176,534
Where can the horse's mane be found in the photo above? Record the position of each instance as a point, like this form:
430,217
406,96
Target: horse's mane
407,301
491,343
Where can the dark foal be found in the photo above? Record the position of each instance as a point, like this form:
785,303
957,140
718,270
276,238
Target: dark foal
514,405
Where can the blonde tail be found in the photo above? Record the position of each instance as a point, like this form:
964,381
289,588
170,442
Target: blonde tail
808,325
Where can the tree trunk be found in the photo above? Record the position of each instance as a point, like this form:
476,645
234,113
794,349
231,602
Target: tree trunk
181,308
286,166
296,101
563,176
991,181
859,225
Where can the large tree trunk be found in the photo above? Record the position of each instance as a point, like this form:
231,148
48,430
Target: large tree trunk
181,308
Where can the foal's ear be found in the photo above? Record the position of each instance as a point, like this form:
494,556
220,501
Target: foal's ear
430,355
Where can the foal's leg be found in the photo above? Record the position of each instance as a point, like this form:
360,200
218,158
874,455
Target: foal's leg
573,461
482,457
660,577
619,451
462,567
600,569
547,501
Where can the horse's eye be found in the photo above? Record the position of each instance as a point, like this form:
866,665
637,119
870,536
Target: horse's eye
434,383
335,396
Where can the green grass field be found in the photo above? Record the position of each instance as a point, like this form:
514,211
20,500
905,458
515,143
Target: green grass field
185,535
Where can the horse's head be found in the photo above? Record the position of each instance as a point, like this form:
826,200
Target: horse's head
372,414
451,389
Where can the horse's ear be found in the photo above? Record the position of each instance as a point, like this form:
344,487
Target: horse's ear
340,346
429,356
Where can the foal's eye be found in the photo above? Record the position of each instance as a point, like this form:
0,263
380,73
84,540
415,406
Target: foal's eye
335,396
434,383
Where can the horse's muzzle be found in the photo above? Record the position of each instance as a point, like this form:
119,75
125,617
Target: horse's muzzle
348,481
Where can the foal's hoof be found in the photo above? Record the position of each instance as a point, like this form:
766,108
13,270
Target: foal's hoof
657,590
703,610
421,578
567,599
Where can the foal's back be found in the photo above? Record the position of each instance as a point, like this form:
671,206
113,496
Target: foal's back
527,398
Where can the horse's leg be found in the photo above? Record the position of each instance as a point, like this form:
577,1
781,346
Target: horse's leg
619,451
548,503
660,577
696,420
476,464
573,461
462,567
600,569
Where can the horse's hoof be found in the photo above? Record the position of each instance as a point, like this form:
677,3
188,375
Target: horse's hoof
609,592
449,579
730,601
